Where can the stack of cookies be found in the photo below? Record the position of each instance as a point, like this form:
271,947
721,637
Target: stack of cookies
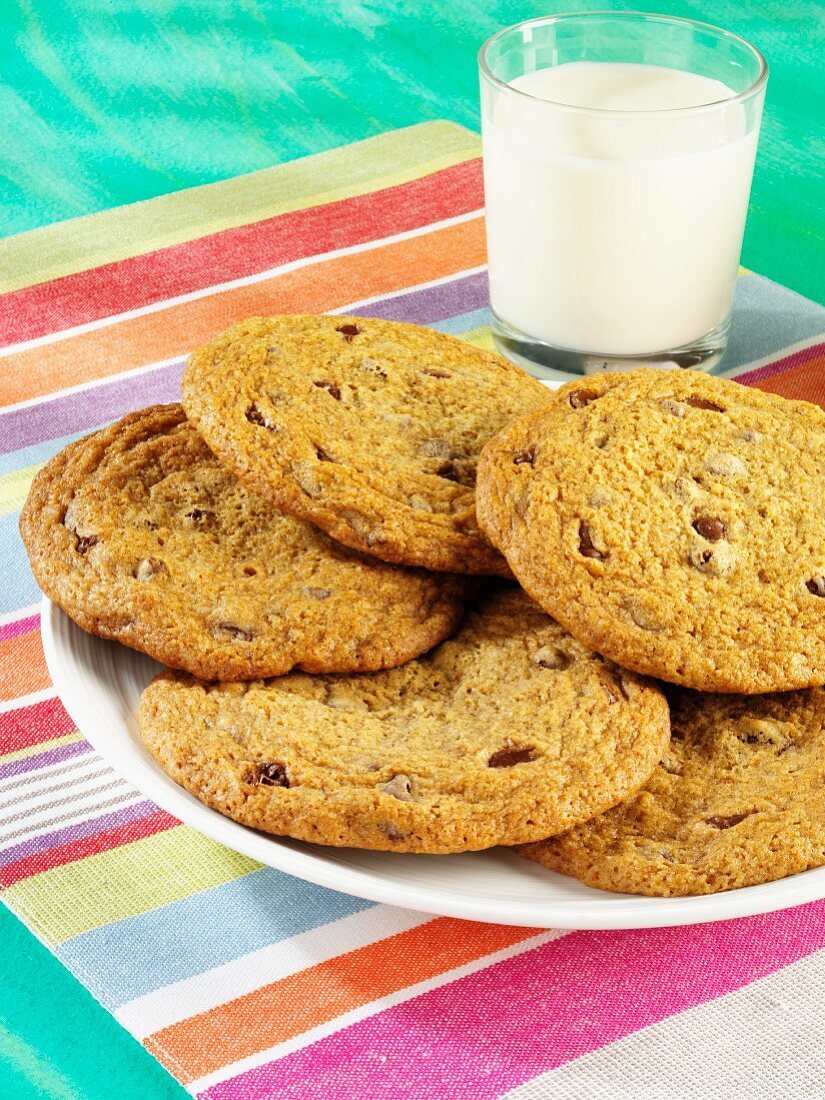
304,543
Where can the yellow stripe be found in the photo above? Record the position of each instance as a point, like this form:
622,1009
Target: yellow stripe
110,886
14,488
125,231
41,746
480,338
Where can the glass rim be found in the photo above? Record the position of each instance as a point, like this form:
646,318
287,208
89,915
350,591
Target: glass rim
756,86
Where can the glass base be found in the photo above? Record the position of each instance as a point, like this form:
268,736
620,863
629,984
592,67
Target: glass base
543,360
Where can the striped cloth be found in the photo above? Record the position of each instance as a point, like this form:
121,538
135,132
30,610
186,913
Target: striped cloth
244,981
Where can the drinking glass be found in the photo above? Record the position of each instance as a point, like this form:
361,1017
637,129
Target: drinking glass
614,233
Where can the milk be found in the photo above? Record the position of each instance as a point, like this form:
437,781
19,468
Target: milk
613,233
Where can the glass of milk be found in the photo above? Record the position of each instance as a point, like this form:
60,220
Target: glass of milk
618,155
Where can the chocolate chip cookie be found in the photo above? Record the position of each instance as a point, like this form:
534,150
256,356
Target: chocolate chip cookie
672,521
369,429
508,732
738,799
140,535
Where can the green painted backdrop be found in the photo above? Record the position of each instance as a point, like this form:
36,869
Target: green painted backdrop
108,101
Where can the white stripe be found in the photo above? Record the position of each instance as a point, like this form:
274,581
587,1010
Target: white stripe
27,700
112,801
27,805
761,1042
20,614
81,387
38,776
233,284
43,789
92,769
233,979
775,356
44,817
371,1009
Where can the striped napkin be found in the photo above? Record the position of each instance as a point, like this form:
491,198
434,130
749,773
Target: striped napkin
243,981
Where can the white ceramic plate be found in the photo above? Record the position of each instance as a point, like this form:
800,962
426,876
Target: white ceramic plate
100,682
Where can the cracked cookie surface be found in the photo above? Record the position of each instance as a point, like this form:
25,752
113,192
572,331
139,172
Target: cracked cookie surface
139,534
369,429
672,521
738,799
507,732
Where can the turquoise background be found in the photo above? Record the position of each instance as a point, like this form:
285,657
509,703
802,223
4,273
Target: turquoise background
107,101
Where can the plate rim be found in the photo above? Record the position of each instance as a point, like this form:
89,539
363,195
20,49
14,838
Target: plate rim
642,912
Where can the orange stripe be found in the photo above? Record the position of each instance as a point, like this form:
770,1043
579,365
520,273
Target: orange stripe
22,666
293,1005
805,382
178,329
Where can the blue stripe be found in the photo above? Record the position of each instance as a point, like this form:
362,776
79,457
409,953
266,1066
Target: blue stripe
767,318
38,453
464,322
134,956
18,588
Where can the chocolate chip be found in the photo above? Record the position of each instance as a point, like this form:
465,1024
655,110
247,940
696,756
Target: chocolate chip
437,373
703,403
255,416
710,528
268,775
527,456
508,756
725,822
319,593
579,398
449,471
816,585
322,454
399,787
349,332
149,568
586,547
236,632
85,542
331,389
372,367
391,832
197,515
435,448
698,558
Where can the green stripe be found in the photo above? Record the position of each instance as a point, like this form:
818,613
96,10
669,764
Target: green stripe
65,901
126,231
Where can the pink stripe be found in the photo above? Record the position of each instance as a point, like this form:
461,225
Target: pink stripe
21,626
477,1037
804,355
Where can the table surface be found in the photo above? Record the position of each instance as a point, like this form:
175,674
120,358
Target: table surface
112,103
